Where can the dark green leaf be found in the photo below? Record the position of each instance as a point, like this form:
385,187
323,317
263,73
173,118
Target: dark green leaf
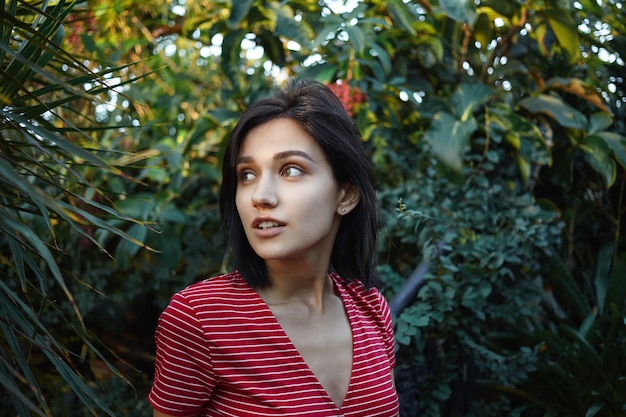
467,97
463,11
448,138
617,144
555,108
598,122
401,15
596,152
239,10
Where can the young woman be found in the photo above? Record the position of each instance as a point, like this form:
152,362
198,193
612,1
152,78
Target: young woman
298,328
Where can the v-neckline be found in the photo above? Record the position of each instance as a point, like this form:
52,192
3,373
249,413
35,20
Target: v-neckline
347,308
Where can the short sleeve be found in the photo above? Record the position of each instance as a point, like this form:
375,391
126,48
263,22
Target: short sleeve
183,376
388,336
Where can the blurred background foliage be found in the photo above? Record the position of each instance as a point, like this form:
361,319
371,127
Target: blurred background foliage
497,132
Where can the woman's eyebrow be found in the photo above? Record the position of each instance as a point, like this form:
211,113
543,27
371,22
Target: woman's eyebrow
288,154
244,160
280,155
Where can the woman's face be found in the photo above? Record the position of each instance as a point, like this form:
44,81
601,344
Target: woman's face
287,198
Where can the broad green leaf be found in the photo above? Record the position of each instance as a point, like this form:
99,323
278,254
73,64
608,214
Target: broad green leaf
171,213
199,132
580,88
526,137
555,108
482,31
171,247
594,409
401,15
239,10
463,11
448,138
231,48
522,135
357,38
540,33
602,273
273,47
617,144
223,116
288,27
467,97
139,206
599,122
382,56
430,50
327,32
597,154
502,9
426,56
324,72
565,30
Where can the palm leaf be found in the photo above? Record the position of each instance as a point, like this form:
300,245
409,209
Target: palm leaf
42,163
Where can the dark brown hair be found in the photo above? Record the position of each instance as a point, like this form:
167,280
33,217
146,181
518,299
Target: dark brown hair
319,112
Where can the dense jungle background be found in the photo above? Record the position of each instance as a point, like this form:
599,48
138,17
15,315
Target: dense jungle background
497,131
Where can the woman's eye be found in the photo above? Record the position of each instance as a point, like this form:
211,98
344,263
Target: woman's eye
292,171
246,176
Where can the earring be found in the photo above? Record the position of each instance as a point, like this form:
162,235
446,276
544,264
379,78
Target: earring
343,210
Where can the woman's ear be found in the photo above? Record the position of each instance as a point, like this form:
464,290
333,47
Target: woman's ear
349,199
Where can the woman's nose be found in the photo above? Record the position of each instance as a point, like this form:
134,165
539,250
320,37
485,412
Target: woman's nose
264,194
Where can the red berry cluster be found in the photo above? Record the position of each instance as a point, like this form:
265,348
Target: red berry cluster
78,24
349,96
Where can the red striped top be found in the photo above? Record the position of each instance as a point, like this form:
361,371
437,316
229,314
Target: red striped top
221,352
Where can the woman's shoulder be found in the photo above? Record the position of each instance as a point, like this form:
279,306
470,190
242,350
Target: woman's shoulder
358,292
228,288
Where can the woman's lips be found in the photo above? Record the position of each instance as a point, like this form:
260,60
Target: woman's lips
267,227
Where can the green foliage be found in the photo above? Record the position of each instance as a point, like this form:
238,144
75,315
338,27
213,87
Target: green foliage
497,133
47,159
580,367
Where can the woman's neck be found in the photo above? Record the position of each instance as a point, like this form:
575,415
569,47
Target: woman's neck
290,283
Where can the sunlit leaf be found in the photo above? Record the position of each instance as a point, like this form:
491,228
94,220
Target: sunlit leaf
579,88
482,31
565,31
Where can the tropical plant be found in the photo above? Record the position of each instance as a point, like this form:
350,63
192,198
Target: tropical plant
497,135
48,160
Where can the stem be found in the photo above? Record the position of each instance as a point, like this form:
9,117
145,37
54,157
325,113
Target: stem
620,211
505,43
